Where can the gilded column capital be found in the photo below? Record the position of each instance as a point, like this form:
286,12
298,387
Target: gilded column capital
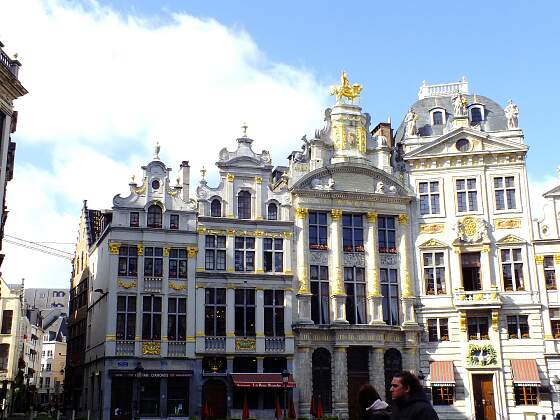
166,251
114,247
403,219
557,259
336,214
258,180
192,251
230,177
301,213
372,217
200,229
140,249
231,232
539,259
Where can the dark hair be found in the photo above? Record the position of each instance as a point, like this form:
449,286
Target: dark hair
367,395
409,380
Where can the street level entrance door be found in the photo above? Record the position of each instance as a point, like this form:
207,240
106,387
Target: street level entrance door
214,394
358,375
483,391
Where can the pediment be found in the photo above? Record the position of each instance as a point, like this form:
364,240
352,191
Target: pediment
511,239
433,243
478,142
347,177
555,192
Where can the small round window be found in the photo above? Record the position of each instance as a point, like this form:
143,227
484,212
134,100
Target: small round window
155,184
463,145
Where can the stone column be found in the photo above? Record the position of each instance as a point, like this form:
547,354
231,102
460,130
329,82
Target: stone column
304,294
340,383
229,210
375,308
200,264
230,320
377,370
258,213
410,360
192,253
337,267
259,245
288,252
304,379
259,320
200,333
487,280
407,288
230,251
556,267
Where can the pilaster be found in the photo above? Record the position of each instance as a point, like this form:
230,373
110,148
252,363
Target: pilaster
377,369
375,309
230,251
200,333
258,215
200,265
486,278
230,320
229,210
288,252
259,245
407,288
338,299
303,376
304,295
259,320
340,383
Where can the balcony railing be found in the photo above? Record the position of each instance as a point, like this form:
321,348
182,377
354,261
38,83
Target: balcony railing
11,65
477,298
215,343
176,348
125,348
153,284
274,344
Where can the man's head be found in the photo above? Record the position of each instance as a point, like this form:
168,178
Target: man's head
403,385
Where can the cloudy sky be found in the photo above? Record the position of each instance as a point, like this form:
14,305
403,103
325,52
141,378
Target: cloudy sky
107,80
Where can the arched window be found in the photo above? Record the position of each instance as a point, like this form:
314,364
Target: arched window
476,114
272,213
244,205
437,118
154,216
216,208
321,374
392,365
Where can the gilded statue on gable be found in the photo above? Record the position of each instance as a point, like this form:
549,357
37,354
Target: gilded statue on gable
345,89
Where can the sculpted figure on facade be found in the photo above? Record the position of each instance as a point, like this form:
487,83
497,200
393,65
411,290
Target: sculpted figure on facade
410,120
305,153
459,105
512,115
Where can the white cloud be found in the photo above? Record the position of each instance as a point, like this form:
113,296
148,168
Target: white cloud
537,187
103,87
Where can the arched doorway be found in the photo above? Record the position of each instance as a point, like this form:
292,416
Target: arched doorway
357,364
322,381
393,364
214,393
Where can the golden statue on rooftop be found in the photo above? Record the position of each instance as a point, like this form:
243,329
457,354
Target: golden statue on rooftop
346,90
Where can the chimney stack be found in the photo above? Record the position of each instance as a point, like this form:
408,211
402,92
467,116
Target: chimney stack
186,169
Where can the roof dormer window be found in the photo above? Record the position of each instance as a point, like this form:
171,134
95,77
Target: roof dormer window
438,116
476,113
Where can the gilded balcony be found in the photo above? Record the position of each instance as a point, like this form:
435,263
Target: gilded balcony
477,299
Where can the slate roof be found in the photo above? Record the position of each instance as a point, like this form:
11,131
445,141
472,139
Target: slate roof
495,119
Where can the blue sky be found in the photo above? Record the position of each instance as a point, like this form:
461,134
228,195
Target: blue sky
108,79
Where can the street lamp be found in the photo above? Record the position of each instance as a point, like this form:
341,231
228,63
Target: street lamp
139,371
285,378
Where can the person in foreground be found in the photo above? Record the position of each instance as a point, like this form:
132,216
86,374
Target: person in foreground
371,405
409,400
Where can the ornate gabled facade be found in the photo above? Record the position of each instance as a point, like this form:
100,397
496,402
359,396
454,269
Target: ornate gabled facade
245,295
140,312
479,298
355,317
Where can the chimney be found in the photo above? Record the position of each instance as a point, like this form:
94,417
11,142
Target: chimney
384,129
186,179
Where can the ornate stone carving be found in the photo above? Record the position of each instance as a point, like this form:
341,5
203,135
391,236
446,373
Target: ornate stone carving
318,258
177,286
372,217
140,249
258,179
507,223
433,243
192,251
114,247
511,239
512,115
230,177
301,213
388,260
471,229
410,121
380,187
354,259
481,355
336,214
151,348
432,228
403,219
323,184
126,284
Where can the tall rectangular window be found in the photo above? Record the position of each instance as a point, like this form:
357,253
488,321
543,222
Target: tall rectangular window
245,312
319,277
355,287
512,269
387,233
518,326
555,322
126,318
134,219
215,255
173,221
177,263
466,195
434,273
177,319
353,232
215,312
153,262
390,292
504,190
151,318
429,197
438,329
7,315
274,313
128,261
273,255
318,230
244,254
442,395
526,395
549,272
478,328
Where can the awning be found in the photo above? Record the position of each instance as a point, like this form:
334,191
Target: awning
441,373
261,380
525,372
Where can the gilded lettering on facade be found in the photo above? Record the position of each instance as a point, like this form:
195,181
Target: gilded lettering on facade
126,284
507,223
177,286
432,228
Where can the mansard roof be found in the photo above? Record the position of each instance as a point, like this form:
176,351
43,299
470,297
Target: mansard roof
495,119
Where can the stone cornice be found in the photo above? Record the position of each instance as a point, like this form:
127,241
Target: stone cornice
348,195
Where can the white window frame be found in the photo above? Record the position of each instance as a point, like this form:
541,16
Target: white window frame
434,267
438,328
444,116
482,112
222,209
518,204
441,185
512,262
479,189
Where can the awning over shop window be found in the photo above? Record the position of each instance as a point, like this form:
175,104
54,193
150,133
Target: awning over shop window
261,380
525,372
441,373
